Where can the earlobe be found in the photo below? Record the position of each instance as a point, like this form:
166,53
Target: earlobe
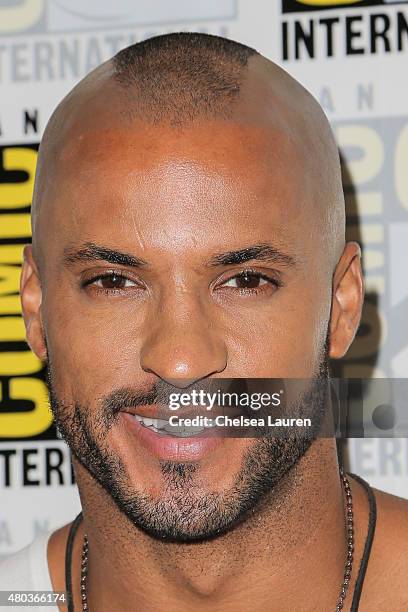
31,297
347,301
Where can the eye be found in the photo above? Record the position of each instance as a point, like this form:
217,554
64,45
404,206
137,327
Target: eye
247,280
111,281
250,283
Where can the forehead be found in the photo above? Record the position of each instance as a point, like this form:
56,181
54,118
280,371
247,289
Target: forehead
140,184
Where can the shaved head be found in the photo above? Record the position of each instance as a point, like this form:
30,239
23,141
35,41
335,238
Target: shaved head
184,80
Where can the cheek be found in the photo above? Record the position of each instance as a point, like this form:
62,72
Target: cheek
92,350
285,340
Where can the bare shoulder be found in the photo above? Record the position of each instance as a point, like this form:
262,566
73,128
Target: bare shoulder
387,570
392,523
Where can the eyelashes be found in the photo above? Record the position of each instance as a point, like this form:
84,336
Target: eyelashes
252,281
246,282
111,281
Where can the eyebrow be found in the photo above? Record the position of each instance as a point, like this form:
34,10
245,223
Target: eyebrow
261,252
93,252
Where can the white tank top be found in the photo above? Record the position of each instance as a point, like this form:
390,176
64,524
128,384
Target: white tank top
27,570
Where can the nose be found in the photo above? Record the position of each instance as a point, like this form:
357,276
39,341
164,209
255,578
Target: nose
183,348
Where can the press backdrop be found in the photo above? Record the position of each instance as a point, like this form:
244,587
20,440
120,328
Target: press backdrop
352,56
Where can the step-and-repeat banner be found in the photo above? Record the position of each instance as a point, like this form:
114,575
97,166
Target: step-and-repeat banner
351,55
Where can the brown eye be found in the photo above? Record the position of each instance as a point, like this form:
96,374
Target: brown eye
246,280
113,281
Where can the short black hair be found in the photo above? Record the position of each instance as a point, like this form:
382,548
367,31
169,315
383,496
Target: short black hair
183,75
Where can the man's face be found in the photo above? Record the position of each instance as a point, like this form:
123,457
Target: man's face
147,276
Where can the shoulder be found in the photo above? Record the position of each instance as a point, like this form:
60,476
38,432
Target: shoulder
391,537
387,570
27,569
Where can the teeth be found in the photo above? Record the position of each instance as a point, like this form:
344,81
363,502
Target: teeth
161,426
158,424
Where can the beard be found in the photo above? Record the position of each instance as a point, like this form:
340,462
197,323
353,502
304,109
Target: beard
186,511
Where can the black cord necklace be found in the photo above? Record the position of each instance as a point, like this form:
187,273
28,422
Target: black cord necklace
348,565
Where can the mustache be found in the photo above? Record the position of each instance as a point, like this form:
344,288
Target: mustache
126,398
160,392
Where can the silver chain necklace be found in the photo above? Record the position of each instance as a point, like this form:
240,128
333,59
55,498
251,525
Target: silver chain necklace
347,570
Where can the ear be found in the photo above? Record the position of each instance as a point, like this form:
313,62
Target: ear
31,296
347,300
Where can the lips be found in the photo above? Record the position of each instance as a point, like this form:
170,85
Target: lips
182,445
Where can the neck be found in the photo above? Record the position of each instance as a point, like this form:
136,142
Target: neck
294,540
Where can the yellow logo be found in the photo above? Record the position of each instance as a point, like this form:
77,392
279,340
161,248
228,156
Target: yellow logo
19,368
